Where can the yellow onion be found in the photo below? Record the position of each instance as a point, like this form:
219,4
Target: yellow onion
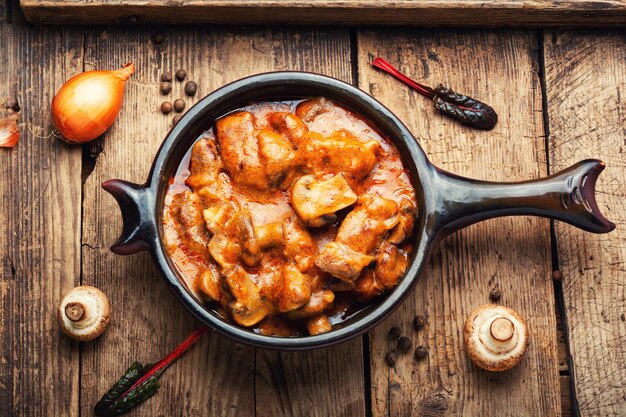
9,134
88,103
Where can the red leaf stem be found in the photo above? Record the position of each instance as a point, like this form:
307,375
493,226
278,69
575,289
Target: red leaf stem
171,357
390,69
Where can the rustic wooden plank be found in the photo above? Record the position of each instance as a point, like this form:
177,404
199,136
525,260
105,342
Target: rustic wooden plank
324,382
482,13
218,376
40,217
310,383
586,83
513,254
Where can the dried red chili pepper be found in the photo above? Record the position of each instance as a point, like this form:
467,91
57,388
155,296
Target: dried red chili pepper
463,108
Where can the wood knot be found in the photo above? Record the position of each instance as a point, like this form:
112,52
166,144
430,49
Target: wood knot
434,406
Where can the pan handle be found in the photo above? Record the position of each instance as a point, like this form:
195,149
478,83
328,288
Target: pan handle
136,202
568,195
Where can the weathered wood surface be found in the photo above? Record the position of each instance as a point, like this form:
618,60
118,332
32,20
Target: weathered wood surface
483,13
586,85
40,217
219,376
44,248
510,253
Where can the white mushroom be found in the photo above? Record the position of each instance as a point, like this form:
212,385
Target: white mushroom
84,313
495,337
316,200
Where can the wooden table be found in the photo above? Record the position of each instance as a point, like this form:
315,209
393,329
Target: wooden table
561,97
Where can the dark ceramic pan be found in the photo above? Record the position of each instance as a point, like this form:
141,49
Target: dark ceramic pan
446,202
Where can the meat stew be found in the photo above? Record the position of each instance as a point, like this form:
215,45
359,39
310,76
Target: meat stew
286,217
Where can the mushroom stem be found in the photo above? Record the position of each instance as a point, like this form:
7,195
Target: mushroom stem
502,329
75,311
495,337
84,313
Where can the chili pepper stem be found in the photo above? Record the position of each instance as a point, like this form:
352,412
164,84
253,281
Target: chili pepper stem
160,366
385,66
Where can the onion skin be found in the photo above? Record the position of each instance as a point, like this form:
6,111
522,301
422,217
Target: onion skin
88,103
9,134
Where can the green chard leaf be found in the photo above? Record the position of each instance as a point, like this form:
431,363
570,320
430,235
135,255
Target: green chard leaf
112,405
138,395
119,400
464,108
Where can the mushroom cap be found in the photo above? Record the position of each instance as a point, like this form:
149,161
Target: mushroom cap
495,337
84,313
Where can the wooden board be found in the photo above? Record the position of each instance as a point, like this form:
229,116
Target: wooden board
510,253
586,86
43,373
40,217
218,376
483,13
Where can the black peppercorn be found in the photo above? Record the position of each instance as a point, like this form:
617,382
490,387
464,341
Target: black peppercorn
190,88
166,76
176,118
420,353
179,105
394,333
495,294
391,358
166,107
404,344
181,74
165,88
419,322
158,38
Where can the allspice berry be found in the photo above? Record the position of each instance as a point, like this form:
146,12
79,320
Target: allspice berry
394,333
391,358
495,294
419,322
176,118
166,76
190,88
165,88
166,107
179,105
420,353
181,74
404,344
